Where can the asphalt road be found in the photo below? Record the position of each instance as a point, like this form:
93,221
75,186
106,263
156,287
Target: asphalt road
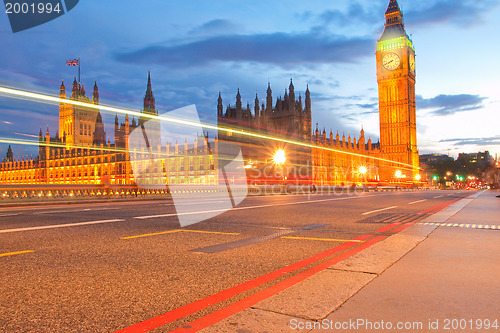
103,267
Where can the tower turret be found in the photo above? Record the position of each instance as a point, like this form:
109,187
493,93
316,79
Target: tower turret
291,96
308,101
62,91
219,106
361,141
149,99
239,109
257,108
154,126
99,133
9,157
269,100
95,94
76,89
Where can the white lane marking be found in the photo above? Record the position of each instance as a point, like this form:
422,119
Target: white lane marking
466,226
439,196
75,210
248,207
53,226
192,203
379,210
414,202
78,204
8,215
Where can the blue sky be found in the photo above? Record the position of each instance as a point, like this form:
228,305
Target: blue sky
196,48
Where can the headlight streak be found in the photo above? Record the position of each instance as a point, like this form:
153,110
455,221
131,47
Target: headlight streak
15,93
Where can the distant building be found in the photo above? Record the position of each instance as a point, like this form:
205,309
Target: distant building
433,158
482,159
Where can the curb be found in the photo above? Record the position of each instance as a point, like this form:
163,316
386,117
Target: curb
306,301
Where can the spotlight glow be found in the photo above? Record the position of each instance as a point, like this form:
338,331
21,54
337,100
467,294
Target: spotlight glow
279,157
15,93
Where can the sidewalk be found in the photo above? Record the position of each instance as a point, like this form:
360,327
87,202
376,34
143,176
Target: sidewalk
440,275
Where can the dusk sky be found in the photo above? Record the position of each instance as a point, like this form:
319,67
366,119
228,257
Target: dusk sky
196,48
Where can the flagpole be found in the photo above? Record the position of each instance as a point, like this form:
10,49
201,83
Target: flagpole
79,70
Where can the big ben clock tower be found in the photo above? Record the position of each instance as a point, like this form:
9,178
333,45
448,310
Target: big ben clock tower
396,87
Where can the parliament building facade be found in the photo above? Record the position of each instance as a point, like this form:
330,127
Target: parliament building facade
79,154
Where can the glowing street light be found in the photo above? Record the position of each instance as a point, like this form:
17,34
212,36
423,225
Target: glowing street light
363,170
398,174
279,157
418,177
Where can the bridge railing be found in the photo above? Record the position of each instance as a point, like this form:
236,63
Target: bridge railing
132,191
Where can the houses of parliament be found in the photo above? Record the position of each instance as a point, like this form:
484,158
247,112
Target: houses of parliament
78,152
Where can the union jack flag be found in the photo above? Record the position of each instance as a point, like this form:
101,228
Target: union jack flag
74,62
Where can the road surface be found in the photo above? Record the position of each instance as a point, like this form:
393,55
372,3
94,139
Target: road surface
103,267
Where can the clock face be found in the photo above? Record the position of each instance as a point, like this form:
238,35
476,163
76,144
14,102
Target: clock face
391,61
412,63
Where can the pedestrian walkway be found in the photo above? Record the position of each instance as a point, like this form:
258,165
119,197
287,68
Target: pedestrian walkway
432,277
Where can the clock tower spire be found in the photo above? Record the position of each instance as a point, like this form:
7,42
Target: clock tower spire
396,86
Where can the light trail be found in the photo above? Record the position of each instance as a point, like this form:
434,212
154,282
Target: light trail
35,96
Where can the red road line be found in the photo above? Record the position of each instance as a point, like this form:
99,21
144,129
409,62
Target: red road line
251,300
439,207
196,306
402,227
388,227
432,210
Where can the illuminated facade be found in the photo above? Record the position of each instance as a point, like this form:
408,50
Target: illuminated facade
335,161
396,84
80,154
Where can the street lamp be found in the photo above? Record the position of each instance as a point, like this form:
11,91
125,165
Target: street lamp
418,177
362,171
398,174
279,157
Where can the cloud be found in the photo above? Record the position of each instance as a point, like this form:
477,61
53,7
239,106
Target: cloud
489,141
461,13
215,27
281,49
354,15
446,105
